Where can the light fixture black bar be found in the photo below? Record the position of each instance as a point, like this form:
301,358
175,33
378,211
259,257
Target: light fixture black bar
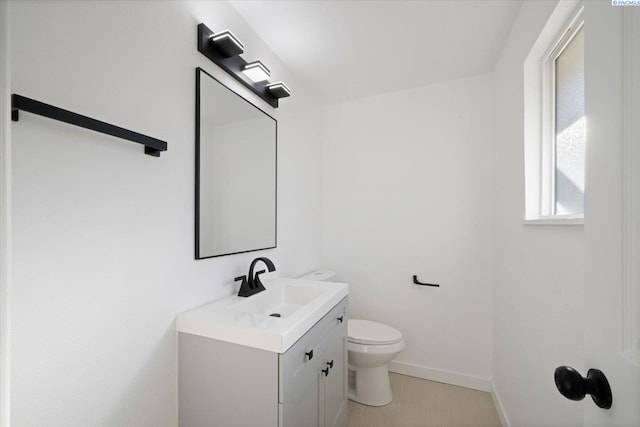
152,146
232,65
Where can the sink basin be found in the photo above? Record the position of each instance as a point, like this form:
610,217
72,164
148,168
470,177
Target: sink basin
248,321
281,301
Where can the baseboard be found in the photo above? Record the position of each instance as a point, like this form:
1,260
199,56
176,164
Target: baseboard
499,408
441,376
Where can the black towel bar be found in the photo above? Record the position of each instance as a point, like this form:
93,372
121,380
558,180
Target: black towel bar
152,146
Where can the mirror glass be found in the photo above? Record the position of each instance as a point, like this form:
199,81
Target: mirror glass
235,172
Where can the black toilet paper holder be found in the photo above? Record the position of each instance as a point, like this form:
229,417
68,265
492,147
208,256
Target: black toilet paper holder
417,282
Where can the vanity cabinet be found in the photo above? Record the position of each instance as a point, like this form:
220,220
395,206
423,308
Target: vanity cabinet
225,384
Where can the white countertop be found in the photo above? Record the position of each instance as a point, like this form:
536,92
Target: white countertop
219,320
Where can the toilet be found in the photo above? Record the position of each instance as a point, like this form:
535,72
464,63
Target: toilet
370,347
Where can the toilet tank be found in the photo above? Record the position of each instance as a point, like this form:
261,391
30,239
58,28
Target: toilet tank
321,275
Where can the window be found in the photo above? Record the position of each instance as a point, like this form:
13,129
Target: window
555,131
564,144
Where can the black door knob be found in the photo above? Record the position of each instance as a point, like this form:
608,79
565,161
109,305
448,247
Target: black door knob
326,371
309,354
573,386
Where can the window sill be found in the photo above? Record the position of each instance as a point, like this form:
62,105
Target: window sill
555,221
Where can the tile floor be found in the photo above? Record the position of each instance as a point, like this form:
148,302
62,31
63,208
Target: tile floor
422,403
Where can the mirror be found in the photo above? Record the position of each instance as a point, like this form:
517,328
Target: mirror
235,172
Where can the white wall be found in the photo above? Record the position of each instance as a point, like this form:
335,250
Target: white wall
104,235
538,289
407,190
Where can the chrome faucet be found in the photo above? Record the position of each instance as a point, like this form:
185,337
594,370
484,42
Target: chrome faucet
253,285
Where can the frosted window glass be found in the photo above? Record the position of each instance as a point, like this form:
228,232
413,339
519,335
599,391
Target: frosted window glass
570,128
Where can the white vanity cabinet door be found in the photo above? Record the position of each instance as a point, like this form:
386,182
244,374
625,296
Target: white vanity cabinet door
303,410
308,397
333,385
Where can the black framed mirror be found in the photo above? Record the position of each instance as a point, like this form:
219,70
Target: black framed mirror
236,170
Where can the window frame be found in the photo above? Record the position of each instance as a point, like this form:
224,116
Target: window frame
548,142
539,115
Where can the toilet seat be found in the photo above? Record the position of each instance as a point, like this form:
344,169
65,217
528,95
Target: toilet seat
367,332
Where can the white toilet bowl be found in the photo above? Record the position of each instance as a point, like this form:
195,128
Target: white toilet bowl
371,346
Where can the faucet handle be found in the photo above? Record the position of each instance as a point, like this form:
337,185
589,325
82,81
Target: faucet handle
239,278
257,283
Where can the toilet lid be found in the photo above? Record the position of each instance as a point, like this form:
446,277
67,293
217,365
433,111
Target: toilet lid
368,332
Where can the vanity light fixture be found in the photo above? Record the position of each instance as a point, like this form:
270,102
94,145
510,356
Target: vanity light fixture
256,71
279,90
227,43
223,49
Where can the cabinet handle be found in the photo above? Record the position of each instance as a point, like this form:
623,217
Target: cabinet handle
326,371
309,354
340,319
330,364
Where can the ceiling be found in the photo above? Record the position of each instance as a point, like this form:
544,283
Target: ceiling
344,50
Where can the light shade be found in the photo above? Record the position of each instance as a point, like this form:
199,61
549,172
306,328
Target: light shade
279,90
227,43
256,71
